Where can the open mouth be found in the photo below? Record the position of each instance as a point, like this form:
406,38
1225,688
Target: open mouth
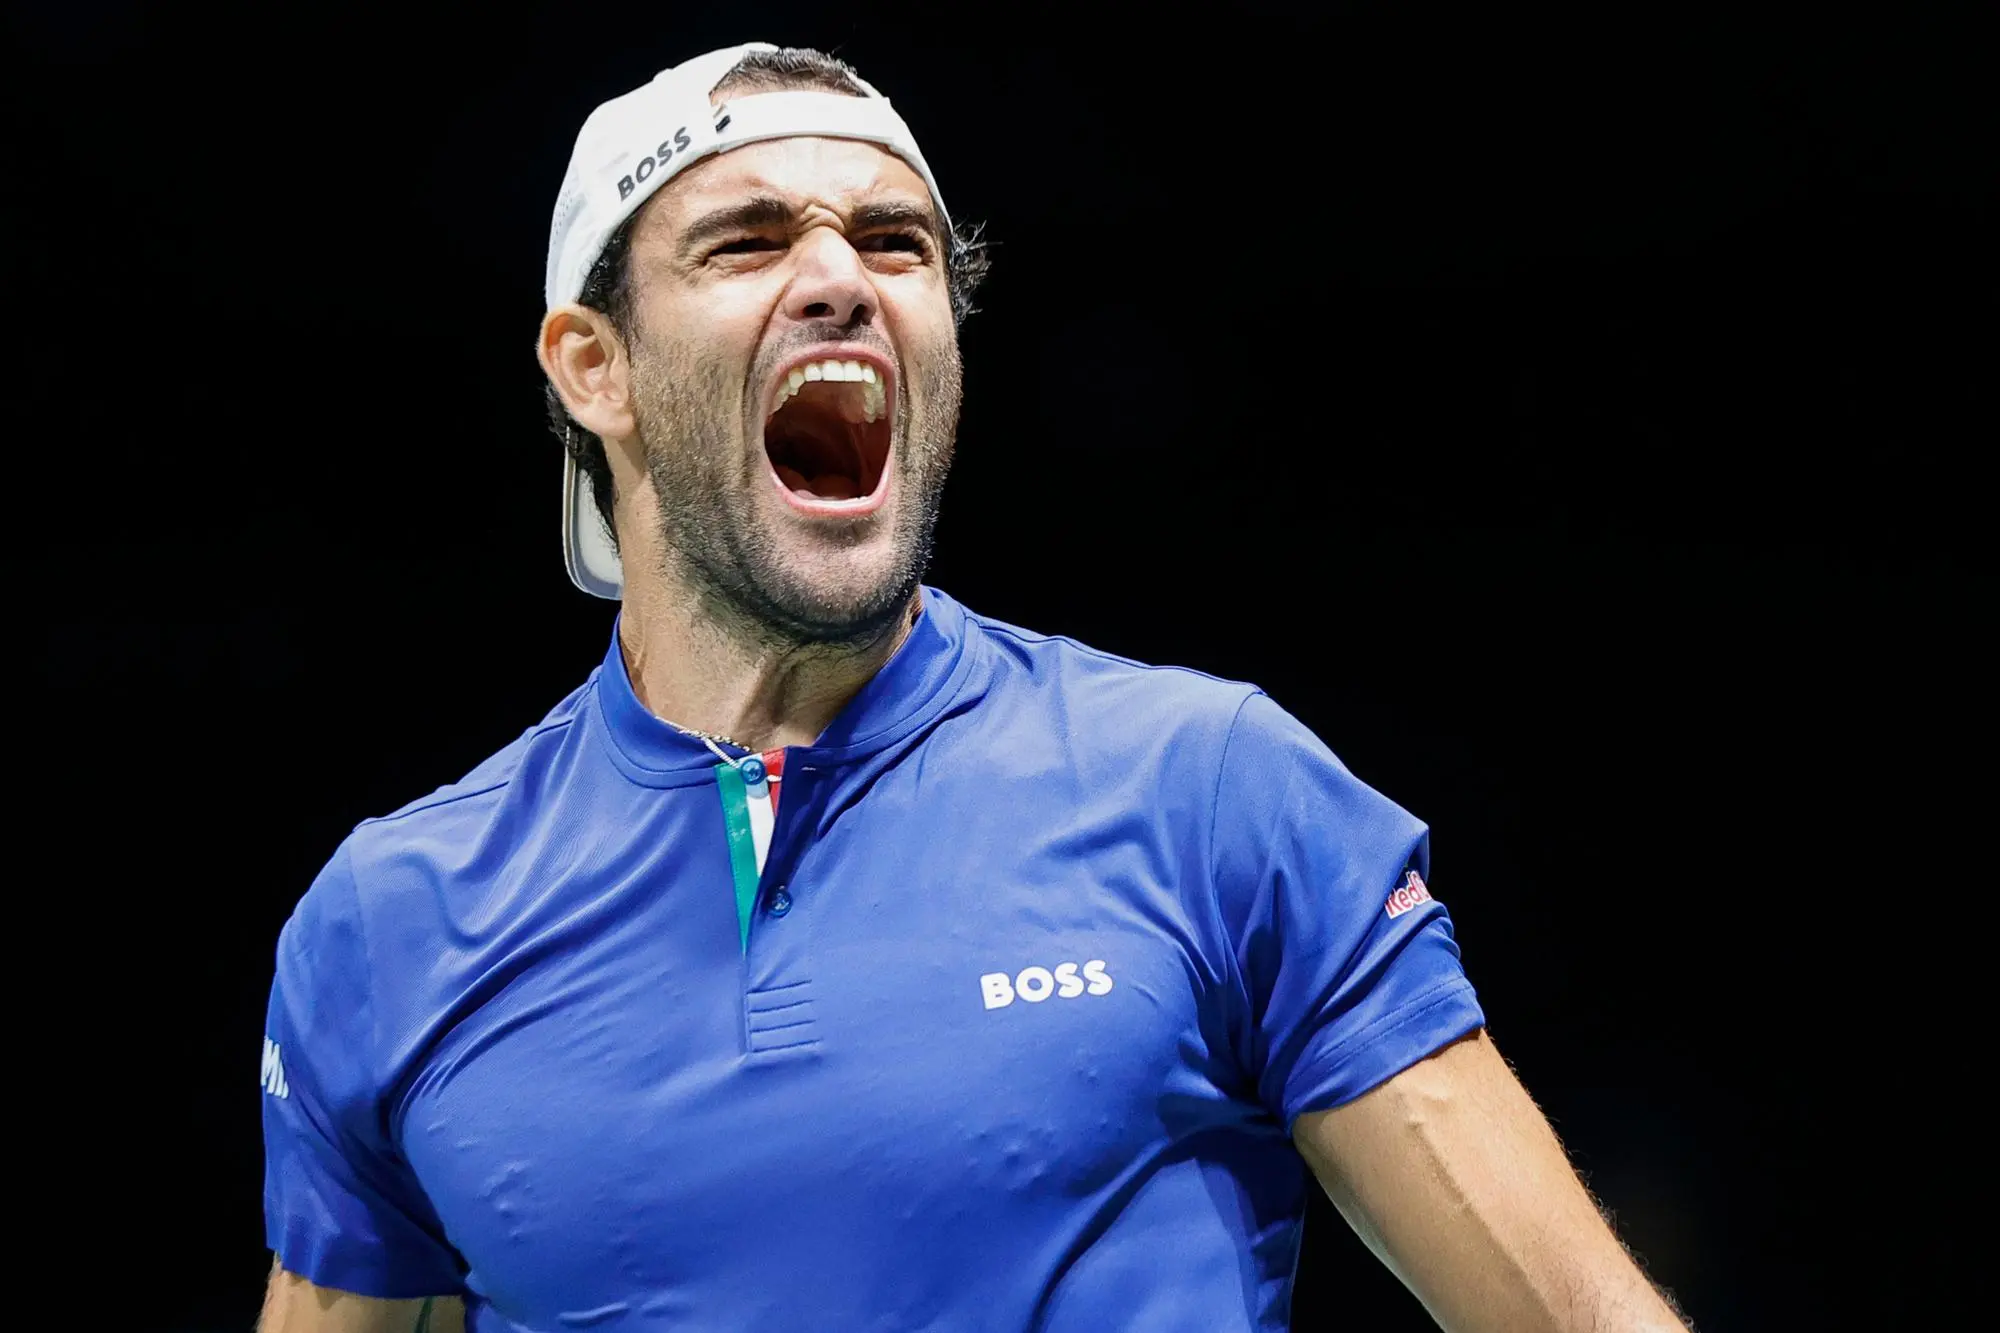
827,437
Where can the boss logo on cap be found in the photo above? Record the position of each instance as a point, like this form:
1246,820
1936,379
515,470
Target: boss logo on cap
653,161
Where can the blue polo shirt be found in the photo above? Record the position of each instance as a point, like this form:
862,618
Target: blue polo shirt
1046,952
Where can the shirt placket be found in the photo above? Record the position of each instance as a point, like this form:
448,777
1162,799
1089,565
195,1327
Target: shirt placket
764,851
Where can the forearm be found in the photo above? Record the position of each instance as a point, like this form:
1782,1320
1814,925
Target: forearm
1495,1278
1455,1180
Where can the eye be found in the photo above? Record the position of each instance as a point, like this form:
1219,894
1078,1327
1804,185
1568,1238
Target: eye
902,242
744,245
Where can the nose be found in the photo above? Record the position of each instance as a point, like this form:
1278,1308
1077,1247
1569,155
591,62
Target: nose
830,284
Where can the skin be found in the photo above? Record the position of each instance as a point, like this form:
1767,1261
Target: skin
742,616
1456,1181
746,618
294,1305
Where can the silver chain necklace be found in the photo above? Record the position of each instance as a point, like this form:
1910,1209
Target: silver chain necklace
709,736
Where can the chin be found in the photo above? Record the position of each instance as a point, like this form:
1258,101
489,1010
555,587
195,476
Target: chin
824,590
855,599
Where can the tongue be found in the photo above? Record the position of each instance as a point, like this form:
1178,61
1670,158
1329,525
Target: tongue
826,486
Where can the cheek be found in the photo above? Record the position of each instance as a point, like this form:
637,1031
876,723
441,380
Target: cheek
687,376
929,346
708,337
942,379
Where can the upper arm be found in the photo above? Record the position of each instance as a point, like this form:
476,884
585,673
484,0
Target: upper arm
294,1305
342,1205
1456,1181
1340,967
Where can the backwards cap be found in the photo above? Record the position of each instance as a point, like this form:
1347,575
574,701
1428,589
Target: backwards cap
632,145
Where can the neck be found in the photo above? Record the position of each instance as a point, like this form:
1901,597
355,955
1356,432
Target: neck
690,671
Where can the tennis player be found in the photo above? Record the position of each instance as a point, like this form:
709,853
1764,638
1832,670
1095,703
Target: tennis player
836,957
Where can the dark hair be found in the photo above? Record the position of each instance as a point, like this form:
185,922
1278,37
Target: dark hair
608,286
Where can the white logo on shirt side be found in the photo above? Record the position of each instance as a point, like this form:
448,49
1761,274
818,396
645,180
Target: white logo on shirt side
272,1075
1035,984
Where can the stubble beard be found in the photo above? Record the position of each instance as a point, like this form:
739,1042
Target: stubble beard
712,538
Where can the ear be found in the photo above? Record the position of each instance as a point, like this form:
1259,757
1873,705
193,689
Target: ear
586,361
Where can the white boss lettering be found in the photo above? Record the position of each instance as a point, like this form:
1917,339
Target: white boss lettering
1035,984
271,1073
998,993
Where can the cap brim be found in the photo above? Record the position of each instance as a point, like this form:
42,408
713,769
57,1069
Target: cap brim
587,550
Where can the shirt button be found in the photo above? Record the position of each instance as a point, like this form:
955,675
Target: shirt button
781,903
752,769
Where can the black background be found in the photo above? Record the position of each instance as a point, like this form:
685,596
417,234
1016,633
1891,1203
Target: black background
1575,423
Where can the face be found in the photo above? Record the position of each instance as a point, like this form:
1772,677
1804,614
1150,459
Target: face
794,384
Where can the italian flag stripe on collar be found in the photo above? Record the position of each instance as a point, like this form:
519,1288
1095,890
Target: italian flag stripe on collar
749,790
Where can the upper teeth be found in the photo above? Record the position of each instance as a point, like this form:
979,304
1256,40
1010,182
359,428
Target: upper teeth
858,372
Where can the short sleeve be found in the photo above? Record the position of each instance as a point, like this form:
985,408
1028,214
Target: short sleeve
341,1207
1346,968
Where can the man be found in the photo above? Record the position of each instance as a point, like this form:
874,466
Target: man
837,958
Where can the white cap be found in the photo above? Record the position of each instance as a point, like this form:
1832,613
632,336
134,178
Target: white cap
630,147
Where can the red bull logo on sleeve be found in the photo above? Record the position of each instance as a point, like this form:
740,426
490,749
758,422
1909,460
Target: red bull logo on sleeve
1408,895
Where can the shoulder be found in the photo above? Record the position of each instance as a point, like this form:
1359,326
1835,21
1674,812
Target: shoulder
497,787
1164,736
1210,746
1286,803
367,929
389,866
1118,696
524,760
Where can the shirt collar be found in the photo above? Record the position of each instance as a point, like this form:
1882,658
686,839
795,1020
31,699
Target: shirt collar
911,689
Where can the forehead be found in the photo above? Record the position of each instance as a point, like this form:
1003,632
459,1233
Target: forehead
804,170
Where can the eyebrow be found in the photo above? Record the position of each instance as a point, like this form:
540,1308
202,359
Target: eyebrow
768,210
764,210
885,214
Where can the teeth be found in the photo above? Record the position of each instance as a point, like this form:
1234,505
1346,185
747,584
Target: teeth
873,391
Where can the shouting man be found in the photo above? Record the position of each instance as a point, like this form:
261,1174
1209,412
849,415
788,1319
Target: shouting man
835,957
